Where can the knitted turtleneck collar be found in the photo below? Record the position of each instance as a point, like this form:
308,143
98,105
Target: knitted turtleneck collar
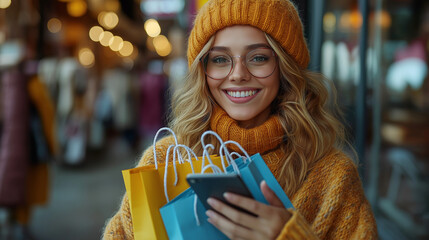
260,139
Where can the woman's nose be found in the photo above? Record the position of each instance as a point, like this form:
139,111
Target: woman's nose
239,71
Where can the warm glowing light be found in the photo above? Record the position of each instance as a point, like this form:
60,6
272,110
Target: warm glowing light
54,25
105,38
356,19
5,4
162,45
384,19
329,22
152,28
160,41
127,49
76,8
95,32
86,57
108,20
116,43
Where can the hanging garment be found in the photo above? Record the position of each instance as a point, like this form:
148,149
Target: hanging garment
152,102
14,140
40,97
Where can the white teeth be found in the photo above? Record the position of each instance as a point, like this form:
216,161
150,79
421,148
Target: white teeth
238,94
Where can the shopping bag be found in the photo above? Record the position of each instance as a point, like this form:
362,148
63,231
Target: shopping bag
180,219
253,172
150,187
184,217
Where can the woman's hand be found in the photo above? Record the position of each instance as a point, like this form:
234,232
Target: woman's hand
239,225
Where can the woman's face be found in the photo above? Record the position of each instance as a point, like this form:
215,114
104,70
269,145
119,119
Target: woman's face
243,96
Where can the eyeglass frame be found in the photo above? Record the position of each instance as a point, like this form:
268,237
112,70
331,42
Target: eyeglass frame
233,62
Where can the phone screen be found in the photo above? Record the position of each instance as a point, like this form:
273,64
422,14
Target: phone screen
215,185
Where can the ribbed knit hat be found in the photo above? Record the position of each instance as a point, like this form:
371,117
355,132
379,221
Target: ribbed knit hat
278,18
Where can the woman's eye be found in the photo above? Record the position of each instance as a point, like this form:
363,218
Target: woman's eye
219,60
259,59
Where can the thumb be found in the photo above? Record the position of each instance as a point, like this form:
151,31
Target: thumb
270,195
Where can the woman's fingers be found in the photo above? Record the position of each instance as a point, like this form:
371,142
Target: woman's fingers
233,214
236,224
226,225
248,204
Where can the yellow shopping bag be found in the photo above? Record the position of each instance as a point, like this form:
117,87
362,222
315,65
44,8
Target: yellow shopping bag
146,193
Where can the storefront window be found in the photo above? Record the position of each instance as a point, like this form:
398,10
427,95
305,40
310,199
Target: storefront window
396,156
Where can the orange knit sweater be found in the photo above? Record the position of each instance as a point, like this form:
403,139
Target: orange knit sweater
330,204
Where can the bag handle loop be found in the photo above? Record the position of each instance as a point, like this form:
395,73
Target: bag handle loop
154,142
177,153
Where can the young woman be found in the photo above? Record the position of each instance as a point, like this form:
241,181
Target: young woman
248,82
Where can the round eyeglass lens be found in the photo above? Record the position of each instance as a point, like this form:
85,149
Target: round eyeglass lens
217,64
260,62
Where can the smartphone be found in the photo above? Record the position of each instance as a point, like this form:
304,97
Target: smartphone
215,185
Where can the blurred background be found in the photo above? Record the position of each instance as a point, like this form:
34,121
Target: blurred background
85,84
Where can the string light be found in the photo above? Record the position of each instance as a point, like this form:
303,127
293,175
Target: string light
108,20
95,32
116,43
127,49
105,38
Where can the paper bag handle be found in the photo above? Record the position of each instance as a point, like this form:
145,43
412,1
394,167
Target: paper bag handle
154,142
176,151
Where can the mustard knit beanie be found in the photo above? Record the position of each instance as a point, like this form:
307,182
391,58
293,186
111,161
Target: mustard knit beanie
278,18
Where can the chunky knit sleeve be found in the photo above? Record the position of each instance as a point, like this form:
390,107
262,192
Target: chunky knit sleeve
331,204
120,226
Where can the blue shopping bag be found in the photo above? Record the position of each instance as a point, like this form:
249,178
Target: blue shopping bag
253,172
180,215
181,223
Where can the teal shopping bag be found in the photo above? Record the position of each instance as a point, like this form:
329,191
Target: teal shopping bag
181,223
253,172
179,215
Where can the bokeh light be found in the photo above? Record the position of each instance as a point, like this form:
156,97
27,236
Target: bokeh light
162,45
329,22
76,8
127,49
384,19
5,4
86,57
54,25
116,43
105,38
356,19
108,20
95,32
152,28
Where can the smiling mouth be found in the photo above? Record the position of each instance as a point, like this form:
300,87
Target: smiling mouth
241,94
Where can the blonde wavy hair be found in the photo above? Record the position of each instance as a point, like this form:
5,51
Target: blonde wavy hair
307,114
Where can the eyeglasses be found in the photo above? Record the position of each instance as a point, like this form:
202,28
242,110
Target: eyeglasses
260,62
